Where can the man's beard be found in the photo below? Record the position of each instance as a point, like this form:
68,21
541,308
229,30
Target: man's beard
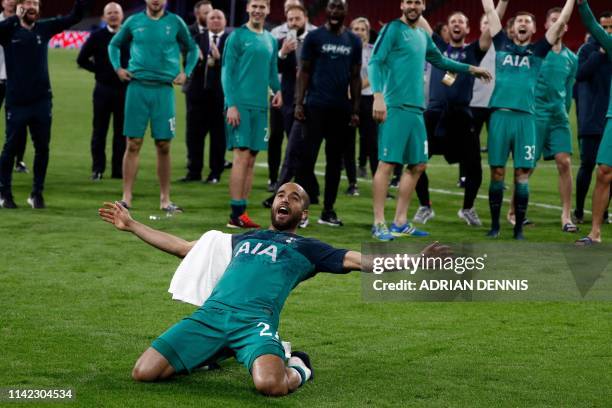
406,13
30,18
290,224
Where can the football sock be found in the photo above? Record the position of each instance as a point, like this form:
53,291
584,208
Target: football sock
238,207
521,199
298,365
496,196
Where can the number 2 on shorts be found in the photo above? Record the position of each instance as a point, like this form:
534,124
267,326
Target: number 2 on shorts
266,330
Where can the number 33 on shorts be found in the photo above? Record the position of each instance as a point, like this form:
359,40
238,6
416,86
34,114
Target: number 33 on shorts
265,331
529,152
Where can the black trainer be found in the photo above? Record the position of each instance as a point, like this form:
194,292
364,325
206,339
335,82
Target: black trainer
352,191
267,203
96,176
20,167
330,218
304,357
36,201
7,201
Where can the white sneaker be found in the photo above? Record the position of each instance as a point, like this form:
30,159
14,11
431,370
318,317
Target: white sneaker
470,216
423,215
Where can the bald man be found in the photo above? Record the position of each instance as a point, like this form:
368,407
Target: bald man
205,103
108,94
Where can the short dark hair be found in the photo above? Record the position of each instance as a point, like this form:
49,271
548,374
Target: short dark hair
605,14
553,11
202,3
525,13
295,7
439,26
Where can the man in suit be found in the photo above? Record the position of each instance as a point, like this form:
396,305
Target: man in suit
108,94
204,97
200,12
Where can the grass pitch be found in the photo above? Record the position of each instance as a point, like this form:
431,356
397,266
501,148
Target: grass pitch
80,301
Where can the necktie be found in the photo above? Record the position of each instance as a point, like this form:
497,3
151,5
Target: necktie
215,37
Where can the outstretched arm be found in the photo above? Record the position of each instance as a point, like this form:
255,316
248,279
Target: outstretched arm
435,57
352,259
59,24
495,25
486,38
594,28
116,214
554,32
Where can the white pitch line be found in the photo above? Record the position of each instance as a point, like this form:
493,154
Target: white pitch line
451,193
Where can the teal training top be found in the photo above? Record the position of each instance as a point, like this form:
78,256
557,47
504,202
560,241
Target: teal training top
266,265
516,73
554,88
602,37
250,68
155,47
398,62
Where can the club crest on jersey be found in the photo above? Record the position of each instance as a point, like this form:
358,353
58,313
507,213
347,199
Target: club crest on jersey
517,61
258,249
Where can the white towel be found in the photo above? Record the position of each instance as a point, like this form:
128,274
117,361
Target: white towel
199,272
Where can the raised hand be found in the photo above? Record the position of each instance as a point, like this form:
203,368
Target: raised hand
116,214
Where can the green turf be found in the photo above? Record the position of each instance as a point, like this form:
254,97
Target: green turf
80,300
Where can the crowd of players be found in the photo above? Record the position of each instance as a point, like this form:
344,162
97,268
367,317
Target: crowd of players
410,91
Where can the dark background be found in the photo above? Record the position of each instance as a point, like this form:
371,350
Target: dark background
379,12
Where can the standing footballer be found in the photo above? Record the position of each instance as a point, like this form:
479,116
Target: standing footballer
512,126
249,69
156,37
553,95
604,155
396,76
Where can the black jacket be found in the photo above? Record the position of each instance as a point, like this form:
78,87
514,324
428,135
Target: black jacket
592,88
288,68
94,58
26,55
205,78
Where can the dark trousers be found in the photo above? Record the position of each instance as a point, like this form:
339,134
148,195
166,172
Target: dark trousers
333,126
368,134
107,101
205,116
480,117
589,145
20,150
275,143
37,117
348,158
459,145
294,160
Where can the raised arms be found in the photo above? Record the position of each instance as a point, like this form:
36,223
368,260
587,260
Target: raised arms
486,38
554,32
495,25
